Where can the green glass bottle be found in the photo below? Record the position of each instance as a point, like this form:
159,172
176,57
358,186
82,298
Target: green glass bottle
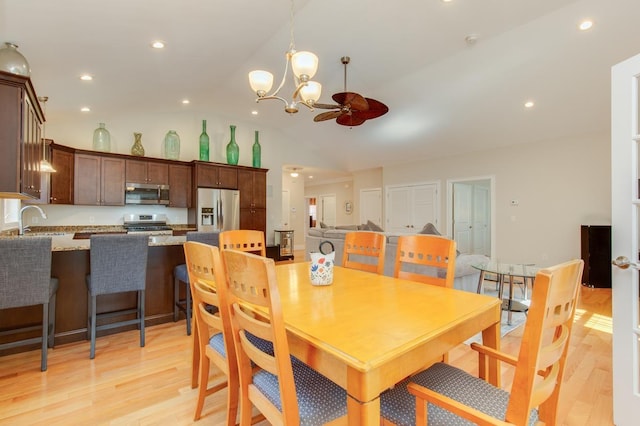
204,142
233,151
257,152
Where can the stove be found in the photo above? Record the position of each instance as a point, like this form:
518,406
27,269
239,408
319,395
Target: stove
150,224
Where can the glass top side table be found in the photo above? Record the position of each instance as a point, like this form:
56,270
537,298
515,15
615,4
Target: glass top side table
503,271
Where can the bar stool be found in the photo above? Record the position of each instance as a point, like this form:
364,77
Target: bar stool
118,264
180,275
25,280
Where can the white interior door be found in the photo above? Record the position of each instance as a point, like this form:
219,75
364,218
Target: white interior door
398,214
411,207
625,206
462,216
371,206
425,206
328,209
481,220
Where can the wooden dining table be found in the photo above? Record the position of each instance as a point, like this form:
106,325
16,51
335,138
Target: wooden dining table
367,332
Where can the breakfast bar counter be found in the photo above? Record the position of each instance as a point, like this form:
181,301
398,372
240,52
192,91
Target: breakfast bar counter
70,264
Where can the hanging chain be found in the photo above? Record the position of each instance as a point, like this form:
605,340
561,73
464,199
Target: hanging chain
292,42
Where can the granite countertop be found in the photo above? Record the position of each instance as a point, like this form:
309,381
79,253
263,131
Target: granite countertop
64,241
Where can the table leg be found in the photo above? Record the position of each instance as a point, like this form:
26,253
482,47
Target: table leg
363,413
480,282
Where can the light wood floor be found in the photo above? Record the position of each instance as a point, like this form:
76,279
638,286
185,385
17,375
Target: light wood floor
129,385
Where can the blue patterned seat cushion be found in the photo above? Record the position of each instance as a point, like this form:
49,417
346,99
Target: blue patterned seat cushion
217,343
319,399
399,406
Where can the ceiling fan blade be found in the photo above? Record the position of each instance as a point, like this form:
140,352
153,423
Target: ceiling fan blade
376,109
329,115
326,106
350,120
355,100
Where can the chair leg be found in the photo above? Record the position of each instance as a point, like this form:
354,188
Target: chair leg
195,356
141,311
188,308
176,297
45,336
52,321
204,383
92,326
88,316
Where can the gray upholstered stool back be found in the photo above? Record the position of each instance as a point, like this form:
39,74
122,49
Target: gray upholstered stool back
118,263
25,271
211,238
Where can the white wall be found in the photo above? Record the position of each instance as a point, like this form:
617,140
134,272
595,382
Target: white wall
559,185
297,208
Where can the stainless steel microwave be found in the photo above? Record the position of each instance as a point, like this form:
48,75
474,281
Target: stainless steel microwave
145,193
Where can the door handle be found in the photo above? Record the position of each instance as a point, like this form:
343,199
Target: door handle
623,262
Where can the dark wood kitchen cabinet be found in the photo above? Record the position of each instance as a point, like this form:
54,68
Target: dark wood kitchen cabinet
21,121
180,187
209,175
99,180
147,172
62,159
252,185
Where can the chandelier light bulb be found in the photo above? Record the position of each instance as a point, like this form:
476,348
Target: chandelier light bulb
261,81
304,65
310,93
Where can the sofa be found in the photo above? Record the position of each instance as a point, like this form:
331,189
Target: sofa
466,276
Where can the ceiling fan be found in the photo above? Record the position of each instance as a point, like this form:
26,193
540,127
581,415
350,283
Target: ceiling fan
352,109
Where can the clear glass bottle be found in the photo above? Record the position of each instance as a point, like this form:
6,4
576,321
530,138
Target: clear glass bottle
204,142
233,150
13,61
172,145
101,139
257,152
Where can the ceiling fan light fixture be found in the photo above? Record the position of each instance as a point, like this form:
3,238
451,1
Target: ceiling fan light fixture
304,66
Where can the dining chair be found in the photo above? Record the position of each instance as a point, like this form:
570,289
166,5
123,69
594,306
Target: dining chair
429,259
118,264
25,280
364,251
286,391
443,394
180,275
213,332
244,240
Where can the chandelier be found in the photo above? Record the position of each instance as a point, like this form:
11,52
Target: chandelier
303,66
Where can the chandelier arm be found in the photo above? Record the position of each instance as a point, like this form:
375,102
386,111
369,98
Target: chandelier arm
284,75
273,97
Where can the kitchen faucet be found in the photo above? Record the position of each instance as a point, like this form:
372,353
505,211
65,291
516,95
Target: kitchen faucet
20,227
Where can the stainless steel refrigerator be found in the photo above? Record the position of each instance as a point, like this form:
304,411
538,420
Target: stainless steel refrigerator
218,209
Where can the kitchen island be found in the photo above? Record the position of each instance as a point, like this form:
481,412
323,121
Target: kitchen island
70,264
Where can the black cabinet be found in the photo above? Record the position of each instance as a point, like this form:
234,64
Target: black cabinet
595,249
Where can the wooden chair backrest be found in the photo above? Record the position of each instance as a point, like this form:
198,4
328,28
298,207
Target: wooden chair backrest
543,351
206,271
362,243
252,282
243,240
430,251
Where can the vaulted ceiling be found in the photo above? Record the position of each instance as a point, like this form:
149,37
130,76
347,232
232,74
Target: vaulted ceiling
446,96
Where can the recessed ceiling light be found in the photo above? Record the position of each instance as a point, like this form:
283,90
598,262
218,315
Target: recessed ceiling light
158,44
446,1
85,109
529,104
186,101
86,77
585,25
254,112
310,177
